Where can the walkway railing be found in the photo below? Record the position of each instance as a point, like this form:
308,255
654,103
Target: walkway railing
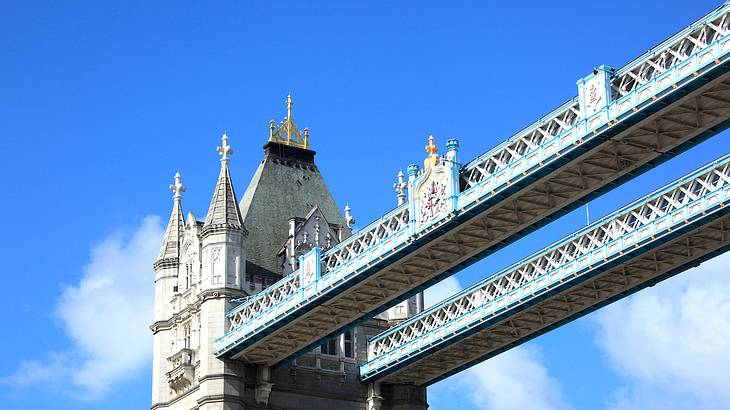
645,220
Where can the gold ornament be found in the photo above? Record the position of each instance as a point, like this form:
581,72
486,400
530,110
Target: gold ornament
432,159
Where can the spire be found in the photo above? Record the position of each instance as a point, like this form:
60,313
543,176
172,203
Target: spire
287,132
223,212
171,243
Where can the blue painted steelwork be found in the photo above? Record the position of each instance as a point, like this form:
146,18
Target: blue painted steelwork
651,221
679,269
485,181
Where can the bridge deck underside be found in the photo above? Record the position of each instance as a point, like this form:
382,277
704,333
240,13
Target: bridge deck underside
671,258
622,150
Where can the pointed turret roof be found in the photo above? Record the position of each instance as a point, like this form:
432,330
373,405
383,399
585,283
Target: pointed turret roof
223,212
170,250
286,184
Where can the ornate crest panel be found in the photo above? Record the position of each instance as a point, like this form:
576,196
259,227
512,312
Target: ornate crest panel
433,190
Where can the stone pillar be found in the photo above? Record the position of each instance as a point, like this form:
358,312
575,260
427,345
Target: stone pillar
403,397
263,385
375,400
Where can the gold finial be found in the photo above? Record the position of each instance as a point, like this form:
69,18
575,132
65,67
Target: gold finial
287,132
433,158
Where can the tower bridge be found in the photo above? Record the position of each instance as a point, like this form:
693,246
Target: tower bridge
622,123
274,303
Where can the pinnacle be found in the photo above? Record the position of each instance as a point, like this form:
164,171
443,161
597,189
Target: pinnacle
223,212
171,242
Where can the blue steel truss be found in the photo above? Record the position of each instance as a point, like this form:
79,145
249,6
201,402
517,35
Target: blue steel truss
670,71
696,199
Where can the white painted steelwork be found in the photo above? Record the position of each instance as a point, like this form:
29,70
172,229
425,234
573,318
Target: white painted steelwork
537,175
561,268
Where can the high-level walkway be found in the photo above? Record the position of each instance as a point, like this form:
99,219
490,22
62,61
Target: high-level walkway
622,123
656,237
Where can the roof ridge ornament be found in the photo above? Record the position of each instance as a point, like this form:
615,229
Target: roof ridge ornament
287,131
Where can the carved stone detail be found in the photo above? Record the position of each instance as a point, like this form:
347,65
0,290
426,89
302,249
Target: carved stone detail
432,195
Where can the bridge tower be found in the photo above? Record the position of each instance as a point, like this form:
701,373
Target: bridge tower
286,212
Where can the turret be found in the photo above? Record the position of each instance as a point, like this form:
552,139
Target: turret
166,269
222,280
223,233
168,261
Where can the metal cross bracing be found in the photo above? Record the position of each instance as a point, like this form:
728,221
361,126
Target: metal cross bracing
617,255
636,77
646,270
671,52
543,172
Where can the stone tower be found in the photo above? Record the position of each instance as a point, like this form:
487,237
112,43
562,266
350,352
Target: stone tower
166,269
206,268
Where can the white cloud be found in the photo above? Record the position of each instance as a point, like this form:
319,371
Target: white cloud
516,379
671,343
106,317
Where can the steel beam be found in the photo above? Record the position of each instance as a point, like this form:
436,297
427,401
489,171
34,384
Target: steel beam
648,241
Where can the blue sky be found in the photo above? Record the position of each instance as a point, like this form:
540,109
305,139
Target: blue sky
102,102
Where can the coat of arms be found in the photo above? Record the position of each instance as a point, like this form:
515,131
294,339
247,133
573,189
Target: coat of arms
433,200
308,271
594,95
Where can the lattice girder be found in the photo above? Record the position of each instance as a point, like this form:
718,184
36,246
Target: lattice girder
640,272
702,199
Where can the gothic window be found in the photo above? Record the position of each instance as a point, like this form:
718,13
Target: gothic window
329,347
349,345
214,262
188,275
237,272
186,336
